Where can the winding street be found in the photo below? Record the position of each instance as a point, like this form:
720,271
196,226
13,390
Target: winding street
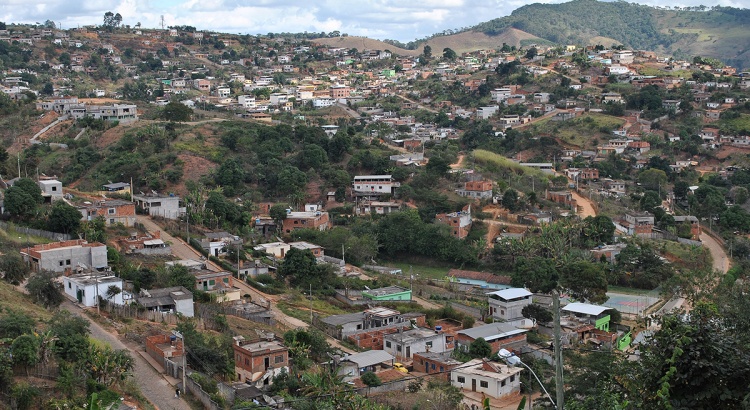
152,384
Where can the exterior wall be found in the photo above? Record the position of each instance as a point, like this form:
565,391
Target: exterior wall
248,362
496,386
512,343
430,366
89,291
59,260
319,222
508,310
122,213
185,307
408,348
405,295
153,349
166,207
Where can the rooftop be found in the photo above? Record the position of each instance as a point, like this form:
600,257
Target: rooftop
262,345
585,308
302,245
369,358
388,290
411,336
511,293
481,368
92,279
492,331
444,358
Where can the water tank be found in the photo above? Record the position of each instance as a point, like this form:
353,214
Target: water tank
172,338
438,328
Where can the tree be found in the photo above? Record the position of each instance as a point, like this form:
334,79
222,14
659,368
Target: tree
13,269
510,200
427,52
112,20
449,54
536,274
598,230
25,350
278,213
585,281
72,333
301,269
177,112
44,290
537,312
14,324
64,218
653,179
650,201
371,379
681,189
23,198
739,194
479,348
180,276
112,291
531,53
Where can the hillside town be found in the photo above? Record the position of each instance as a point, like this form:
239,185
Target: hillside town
280,222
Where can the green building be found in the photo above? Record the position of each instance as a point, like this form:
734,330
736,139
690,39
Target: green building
388,73
387,293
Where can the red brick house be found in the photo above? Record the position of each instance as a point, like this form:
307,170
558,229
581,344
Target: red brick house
161,347
498,335
432,363
258,362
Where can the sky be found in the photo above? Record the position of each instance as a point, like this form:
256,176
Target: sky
402,20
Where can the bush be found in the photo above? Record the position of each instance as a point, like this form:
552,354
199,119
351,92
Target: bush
371,379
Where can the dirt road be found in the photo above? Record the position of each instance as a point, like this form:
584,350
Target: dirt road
718,254
585,206
151,383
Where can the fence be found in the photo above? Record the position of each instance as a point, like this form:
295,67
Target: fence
36,232
399,385
251,311
41,371
137,312
197,391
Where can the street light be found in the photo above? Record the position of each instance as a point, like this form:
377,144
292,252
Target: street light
514,360
184,360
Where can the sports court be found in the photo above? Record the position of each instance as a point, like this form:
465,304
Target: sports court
630,304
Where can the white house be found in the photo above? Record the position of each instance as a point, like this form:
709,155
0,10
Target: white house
507,304
493,379
405,344
85,287
277,249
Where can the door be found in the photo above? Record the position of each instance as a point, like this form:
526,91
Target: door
427,367
408,351
267,362
473,384
79,295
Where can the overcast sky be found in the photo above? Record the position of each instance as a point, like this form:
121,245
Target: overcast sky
402,20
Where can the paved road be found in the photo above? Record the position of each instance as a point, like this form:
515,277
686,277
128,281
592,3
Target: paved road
151,383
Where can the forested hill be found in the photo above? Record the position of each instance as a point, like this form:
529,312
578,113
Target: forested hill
720,32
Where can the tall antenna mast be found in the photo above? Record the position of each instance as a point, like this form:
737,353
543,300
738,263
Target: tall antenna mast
162,22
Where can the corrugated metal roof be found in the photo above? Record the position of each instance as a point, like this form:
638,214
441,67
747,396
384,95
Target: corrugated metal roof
369,358
585,308
511,293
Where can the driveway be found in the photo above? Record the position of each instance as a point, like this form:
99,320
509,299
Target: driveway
151,383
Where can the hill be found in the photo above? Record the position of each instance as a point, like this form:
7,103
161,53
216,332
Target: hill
719,32
460,42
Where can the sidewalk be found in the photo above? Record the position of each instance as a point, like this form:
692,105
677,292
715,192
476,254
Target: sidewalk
159,369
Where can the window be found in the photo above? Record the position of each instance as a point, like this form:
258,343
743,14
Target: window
61,263
359,327
428,344
54,189
67,261
70,285
483,383
247,361
502,383
279,359
387,344
460,379
441,369
111,220
398,348
433,366
512,378
111,211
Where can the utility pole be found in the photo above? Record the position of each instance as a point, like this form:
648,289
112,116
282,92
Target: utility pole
559,385
311,306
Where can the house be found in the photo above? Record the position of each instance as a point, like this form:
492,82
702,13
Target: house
190,264
484,113
595,314
636,223
165,206
499,335
404,343
562,198
379,207
459,222
217,243
252,269
265,225
584,322
305,220
492,379
476,189
330,130
51,189
615,187
480,279
608,252
85,287
366,328
355,365
207,280
148,244
66,255
316,250
176,299
162,346
435,363
387,293
695,226
258,362
113,211
117,187
507,304
277,249
369,185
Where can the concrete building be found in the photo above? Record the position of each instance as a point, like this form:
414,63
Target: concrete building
405,343
476,189
162,346
217,243
387,293
305,220
342,326
258,362
113,211
52,189
375,185
493,379
165,206
435,363
176,299
66,256
276,249
379,207
207,280
459,222
498,335
507,304
355,365
316,250
85,287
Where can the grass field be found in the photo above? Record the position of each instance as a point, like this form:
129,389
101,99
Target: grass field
298,307
421,270
10,298
495,163
583,130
